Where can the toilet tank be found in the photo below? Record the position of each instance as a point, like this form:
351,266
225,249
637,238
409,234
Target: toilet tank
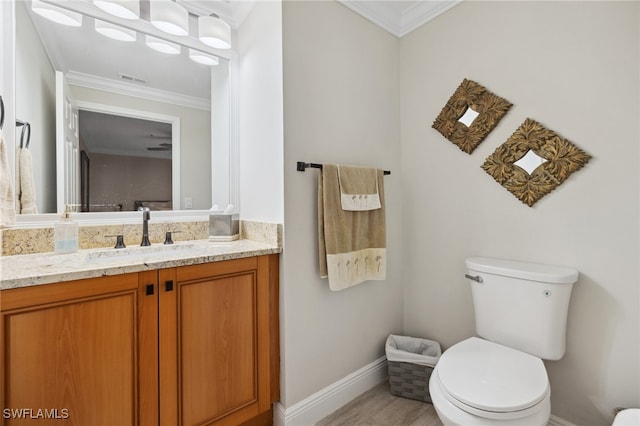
522,305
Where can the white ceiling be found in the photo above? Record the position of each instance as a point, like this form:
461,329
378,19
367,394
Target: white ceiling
118,135
399,17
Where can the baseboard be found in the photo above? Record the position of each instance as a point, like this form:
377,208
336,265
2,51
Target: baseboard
557,421
324,402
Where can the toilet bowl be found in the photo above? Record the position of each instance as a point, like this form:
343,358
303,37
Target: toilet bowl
478,382
628,417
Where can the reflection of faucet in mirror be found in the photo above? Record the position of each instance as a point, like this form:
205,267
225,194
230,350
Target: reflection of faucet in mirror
146,215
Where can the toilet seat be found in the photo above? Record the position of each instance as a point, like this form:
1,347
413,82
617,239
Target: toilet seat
492,381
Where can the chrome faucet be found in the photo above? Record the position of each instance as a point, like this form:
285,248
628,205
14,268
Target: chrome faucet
146,215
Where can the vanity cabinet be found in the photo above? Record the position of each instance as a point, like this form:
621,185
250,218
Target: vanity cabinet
71,349
193,345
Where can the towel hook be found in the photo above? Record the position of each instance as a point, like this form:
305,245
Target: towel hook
26,128
1,112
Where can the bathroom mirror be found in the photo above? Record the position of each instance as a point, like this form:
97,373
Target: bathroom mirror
182,110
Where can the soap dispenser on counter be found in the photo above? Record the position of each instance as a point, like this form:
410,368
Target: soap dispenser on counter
66,233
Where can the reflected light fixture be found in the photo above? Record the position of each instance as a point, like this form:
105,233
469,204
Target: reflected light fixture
126,9
214,32
203,58
56,14
115,32
162,45
169,16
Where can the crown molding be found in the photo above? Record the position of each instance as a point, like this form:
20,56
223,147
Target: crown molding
93,82
422,12
399,21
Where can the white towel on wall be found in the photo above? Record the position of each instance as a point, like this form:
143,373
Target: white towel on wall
7,197
27,188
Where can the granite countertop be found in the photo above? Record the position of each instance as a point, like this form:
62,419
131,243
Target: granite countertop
36,269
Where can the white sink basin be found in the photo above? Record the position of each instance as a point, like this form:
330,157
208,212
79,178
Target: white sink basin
154,252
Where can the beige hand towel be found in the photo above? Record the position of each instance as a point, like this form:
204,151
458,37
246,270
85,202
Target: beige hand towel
352,244
27,188
7,197
358,188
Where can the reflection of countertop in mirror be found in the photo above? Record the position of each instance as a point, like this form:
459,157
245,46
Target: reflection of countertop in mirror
36,269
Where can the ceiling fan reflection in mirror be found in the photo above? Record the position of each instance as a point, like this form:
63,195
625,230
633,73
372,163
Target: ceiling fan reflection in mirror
161,147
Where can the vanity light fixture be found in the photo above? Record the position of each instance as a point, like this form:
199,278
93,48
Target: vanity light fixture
115,32
203,58
214,32
56,14
162,45
126,9
169,16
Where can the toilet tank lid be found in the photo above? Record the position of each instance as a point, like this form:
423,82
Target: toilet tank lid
524,270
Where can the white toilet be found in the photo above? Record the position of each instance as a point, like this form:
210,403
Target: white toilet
498,378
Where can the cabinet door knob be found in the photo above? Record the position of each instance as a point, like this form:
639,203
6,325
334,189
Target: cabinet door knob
168,285
149,289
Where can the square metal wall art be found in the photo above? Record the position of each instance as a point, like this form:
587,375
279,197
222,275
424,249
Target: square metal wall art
534,161
469,115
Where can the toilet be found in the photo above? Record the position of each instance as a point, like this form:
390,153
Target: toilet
628,417
498,377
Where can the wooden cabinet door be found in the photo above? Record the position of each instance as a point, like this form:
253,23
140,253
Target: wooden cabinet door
70,352
214,343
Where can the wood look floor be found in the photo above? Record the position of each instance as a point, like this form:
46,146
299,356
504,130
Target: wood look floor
377,407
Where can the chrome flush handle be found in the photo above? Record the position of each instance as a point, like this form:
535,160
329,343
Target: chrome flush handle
472,278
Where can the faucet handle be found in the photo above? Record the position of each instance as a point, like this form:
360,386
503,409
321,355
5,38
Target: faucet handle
167,236
119,241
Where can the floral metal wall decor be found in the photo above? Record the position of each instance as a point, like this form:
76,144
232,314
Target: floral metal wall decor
469,115
534,161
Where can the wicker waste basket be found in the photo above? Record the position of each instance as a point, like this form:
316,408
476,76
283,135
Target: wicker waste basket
410,361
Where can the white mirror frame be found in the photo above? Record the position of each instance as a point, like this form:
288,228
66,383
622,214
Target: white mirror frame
7,90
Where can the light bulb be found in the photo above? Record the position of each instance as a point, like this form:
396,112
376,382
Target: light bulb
203,58
126,9
162,45
115,32
214,32
56,14
169,17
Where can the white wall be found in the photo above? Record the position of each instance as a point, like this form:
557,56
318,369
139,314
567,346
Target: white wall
119,179
260,113
341,100
574,67
35,103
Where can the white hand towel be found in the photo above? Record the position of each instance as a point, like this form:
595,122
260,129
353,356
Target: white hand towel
358,188
27,188
7,198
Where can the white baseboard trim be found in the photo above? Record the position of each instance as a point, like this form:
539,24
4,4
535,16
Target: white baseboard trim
557,421
324,402
311,410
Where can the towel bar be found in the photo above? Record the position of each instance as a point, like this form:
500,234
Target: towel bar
301,166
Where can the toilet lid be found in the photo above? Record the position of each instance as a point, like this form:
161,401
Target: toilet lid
491,377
